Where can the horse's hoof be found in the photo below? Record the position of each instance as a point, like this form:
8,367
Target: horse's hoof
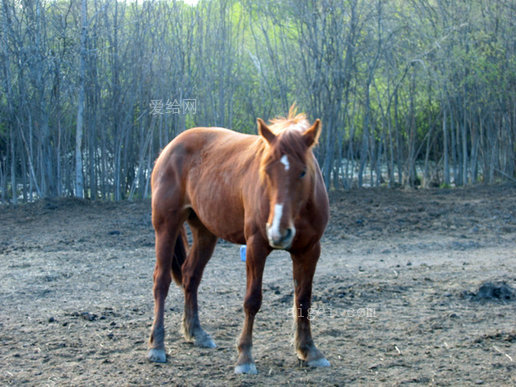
248,368
322,362
204,341
157,355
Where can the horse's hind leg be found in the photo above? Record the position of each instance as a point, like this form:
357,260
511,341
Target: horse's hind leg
200,253
166,236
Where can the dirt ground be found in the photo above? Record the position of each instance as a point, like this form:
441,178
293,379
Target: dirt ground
413,287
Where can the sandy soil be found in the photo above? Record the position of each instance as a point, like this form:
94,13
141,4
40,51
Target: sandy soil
413,287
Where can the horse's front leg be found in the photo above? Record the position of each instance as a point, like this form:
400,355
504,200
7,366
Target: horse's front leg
304,263
257,252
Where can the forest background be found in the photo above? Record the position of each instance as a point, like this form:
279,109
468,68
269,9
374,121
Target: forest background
410,92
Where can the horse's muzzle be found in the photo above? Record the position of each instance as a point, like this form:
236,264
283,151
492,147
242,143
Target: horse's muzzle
282,239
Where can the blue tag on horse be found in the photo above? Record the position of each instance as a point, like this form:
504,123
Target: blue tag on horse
243,249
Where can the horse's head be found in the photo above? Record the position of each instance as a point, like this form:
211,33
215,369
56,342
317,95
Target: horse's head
287,169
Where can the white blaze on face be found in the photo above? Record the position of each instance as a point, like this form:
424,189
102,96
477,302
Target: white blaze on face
275,232
284,161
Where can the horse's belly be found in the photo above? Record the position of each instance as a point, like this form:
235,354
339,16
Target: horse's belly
221,214
224,225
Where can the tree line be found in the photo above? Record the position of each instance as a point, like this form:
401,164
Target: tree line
414,92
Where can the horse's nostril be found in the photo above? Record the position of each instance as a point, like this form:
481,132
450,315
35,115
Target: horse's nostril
281,238
289,234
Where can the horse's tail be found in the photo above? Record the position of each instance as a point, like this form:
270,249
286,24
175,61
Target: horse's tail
180,252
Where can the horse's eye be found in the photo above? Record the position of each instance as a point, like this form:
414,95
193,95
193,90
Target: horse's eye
302,174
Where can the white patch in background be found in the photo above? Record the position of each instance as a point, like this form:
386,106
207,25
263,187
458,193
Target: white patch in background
298,127
284,161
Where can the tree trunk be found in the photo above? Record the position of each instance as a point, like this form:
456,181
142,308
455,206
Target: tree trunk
79,179
446,164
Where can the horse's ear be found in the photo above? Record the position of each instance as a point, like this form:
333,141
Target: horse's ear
311,135
264,131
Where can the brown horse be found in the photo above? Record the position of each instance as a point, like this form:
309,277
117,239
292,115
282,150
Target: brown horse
264,191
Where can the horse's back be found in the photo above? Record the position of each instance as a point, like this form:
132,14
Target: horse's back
193,144
195,140
200,137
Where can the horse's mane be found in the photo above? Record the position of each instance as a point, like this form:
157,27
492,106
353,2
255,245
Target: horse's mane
294,121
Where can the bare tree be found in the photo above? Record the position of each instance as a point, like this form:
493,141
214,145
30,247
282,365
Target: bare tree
408,92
